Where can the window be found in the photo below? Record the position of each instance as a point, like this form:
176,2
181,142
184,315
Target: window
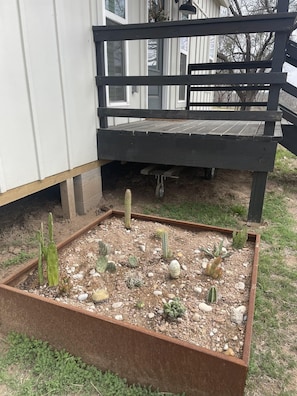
183,44
117,7
212,43
116,67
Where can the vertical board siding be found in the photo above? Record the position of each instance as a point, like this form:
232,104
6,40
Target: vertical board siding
199,46
76,47
48,94
17,147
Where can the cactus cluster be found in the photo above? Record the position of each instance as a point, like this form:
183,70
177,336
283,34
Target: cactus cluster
173,309
134,281
214,268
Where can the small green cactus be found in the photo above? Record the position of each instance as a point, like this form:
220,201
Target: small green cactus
128,203
216,251
212,295
102,264
133,282
132,262
139,304
240,238
103,250
173,309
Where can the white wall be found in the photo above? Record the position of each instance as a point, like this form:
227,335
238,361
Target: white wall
198,50
48,96
48,101
48,105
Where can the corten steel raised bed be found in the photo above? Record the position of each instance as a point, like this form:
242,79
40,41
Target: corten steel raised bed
139,355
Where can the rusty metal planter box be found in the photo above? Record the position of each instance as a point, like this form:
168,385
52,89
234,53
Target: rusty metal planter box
139,355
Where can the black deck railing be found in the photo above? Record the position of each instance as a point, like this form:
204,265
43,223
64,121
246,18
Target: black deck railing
270,79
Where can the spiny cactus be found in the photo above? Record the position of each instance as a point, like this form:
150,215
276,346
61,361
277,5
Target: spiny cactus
174,269
102,261
134,281
217,251
41,254
212,295
103,250
213,268
173,309
240,238
128,203
165,247
52,255
132,262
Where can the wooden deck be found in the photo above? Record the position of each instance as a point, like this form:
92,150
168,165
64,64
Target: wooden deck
236,129
243,139
238,145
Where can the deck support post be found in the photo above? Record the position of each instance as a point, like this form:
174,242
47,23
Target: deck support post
87,190
67,198
257,196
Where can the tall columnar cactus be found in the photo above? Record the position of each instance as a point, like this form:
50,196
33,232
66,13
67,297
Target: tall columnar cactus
128,203
40,238
52,256
165,247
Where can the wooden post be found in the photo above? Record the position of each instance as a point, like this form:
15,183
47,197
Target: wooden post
67,198
257,196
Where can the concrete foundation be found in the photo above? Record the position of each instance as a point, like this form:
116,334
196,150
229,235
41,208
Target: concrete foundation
87,190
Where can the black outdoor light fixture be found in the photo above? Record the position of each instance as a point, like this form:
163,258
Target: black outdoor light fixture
187,8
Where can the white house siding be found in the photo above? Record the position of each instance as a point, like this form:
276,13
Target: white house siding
48,116
198,50
48,101
48,98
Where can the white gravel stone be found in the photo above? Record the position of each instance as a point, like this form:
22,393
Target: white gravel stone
196,317
204,263
237,314
150,274
83,297
78,276
118,317
142,248
204,307
117,305
151,315
157,293
198,289
240,286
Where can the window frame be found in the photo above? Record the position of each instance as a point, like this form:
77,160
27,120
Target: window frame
116,19
185,52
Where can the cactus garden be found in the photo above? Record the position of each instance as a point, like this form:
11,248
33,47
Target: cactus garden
193,286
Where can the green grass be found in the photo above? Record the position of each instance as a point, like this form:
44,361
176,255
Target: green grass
18,259
200,212
46,371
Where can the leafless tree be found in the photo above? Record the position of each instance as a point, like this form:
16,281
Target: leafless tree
250,46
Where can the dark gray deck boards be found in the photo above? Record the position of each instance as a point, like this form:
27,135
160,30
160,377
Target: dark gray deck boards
198,143
236,129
